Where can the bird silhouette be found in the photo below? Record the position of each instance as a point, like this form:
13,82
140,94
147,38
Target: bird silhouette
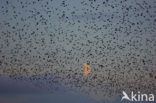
47,42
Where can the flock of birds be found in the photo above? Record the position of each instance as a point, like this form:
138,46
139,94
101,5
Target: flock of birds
46,42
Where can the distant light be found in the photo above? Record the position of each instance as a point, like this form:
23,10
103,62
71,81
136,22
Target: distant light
86,68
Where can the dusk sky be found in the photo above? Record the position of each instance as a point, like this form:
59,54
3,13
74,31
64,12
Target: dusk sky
76,51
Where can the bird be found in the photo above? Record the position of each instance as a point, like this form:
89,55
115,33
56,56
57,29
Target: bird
48,42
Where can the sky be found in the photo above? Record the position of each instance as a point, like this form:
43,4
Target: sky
44,45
